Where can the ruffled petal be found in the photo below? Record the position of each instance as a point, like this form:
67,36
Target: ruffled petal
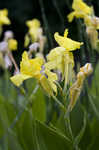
19,78
31,67
79,5
67,43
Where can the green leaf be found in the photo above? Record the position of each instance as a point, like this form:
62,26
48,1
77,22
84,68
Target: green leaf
48,139
14,143
24,130
81,133
4,122
39,106
35,135
38,100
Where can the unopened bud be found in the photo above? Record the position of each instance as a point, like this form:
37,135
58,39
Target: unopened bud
87,69
3,46
8,62
8,35
93,36
34,46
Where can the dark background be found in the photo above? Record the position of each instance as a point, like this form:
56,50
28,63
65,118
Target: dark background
53,17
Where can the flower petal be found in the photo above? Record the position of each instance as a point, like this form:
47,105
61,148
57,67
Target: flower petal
19,78
67,43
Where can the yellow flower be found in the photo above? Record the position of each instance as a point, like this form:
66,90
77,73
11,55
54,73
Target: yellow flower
75,14
47,81
34,26
62,60
4,17
66,42
92,21
32,68
68,68
80,10
12,44
34,23
34,33
28,68
79,5
75,89
93,36
55,59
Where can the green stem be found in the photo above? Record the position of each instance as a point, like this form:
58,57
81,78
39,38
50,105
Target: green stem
93,106
60,104
67,122
66,78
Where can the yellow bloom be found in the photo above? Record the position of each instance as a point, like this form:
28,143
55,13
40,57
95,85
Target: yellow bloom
93,36
80,10
61,60
92,21
34,23
12,44
4,17
75,14
28,68
75,89
68,68
66,42
79,5
32,68
34,26
47,81
56,59
34,33
92,25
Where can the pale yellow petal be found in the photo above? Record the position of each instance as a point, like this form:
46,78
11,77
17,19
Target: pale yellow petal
34,23
52,77
4,17
47,82
55,59
46,86
12,44
19,78
34,34
31,67
80,6
56,53
67,43
4,12
71,16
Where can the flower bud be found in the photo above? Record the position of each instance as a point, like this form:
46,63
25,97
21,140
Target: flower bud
3,46
34,47
8,35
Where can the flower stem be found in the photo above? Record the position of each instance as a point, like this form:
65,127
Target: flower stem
13,61
59,103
